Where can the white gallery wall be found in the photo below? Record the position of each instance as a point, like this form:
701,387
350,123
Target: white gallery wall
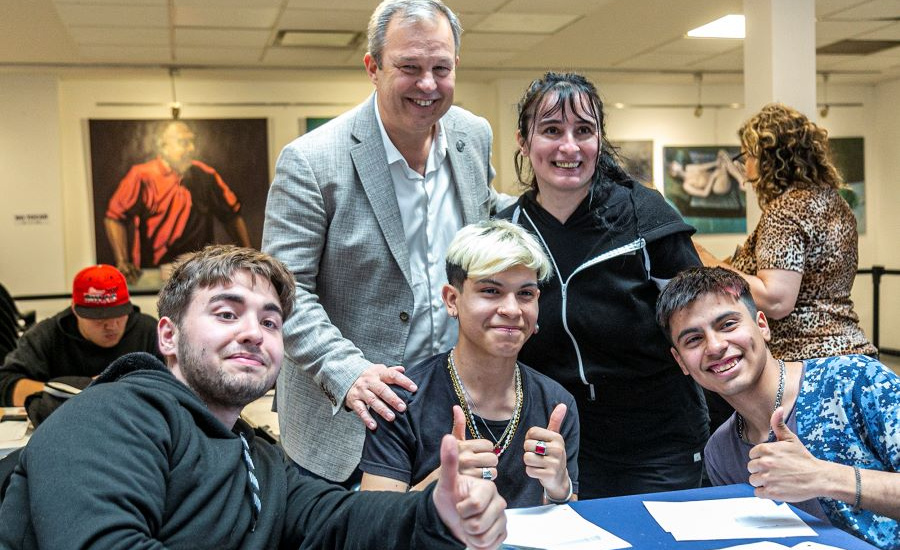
44,157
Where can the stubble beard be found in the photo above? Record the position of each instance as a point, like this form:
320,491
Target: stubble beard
215,386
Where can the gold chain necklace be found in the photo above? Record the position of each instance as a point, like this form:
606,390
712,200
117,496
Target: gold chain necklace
506,437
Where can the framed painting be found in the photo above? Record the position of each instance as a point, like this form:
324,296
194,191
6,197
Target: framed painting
637,159
848,155
162,188
706,187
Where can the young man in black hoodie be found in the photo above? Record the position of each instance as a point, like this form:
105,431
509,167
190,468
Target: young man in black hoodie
165,460
80,341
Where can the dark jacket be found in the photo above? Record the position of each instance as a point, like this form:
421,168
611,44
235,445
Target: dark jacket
138,461
54,348
598,336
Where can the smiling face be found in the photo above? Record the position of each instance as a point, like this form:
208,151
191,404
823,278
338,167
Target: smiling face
719,343
416,80
228,347
497,314
563,146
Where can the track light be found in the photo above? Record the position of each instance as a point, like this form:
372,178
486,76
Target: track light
175,105
823,112
698,110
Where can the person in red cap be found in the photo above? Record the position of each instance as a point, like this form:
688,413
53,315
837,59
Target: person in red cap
77,343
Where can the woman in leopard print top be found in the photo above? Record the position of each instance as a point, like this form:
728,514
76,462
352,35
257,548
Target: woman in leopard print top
800,261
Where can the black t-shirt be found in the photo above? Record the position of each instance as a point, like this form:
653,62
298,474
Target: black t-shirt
408,449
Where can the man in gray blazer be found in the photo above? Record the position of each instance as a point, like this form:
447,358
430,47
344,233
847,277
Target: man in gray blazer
361,211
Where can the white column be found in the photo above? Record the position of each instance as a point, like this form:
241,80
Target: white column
780,54
779,61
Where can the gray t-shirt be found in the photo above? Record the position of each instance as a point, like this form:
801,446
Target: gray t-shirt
726,457
408,449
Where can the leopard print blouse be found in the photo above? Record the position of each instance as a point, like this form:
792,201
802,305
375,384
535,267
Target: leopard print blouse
813,232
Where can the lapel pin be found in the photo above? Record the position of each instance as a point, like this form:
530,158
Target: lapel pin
460,146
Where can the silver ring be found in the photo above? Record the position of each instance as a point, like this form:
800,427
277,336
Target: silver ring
486,474
540,448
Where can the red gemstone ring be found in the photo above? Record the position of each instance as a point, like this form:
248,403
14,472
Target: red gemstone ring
540,448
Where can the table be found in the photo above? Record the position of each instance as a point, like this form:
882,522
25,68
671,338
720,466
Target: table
14,429
626,517
260,416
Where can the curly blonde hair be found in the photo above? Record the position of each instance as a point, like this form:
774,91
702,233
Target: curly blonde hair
791,152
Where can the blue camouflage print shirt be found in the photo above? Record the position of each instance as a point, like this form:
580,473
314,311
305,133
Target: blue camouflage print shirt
848,412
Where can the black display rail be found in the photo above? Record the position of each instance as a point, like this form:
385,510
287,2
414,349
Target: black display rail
31,297
876,271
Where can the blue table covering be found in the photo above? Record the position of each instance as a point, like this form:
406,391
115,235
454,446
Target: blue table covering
626,517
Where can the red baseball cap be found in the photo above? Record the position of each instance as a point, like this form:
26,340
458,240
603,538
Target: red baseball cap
100,292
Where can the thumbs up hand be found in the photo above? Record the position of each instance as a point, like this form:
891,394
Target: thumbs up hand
545,455
476,456
471,508
784,469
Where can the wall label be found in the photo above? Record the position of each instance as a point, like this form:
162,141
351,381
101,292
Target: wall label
32,219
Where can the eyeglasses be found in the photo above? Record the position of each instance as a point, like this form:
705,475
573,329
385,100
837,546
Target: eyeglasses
739,158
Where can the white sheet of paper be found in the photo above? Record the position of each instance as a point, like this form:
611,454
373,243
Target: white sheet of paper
12,431
775,546
555,527
733,518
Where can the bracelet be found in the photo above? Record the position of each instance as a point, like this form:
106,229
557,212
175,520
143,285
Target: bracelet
563,500
858,489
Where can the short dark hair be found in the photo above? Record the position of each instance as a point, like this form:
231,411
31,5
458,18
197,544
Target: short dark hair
696,282
218,264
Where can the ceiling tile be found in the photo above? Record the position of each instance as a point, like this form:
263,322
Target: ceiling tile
499,41
515,22
362,5
579,7
706,46
829,62
332,20
728,61
311,57
127,54
828,32
119,2
217,55
479,6
888,32
469,20
875,9
228,3
124,36
485,58
114,15
831,8
233,18
254,39
657,60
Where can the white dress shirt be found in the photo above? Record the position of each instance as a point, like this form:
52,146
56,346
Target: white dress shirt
432,214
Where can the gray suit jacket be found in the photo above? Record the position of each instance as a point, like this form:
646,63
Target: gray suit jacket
332,217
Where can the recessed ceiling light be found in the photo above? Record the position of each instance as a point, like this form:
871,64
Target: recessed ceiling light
730,26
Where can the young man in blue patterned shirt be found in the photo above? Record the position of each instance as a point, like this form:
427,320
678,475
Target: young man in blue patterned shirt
821,433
